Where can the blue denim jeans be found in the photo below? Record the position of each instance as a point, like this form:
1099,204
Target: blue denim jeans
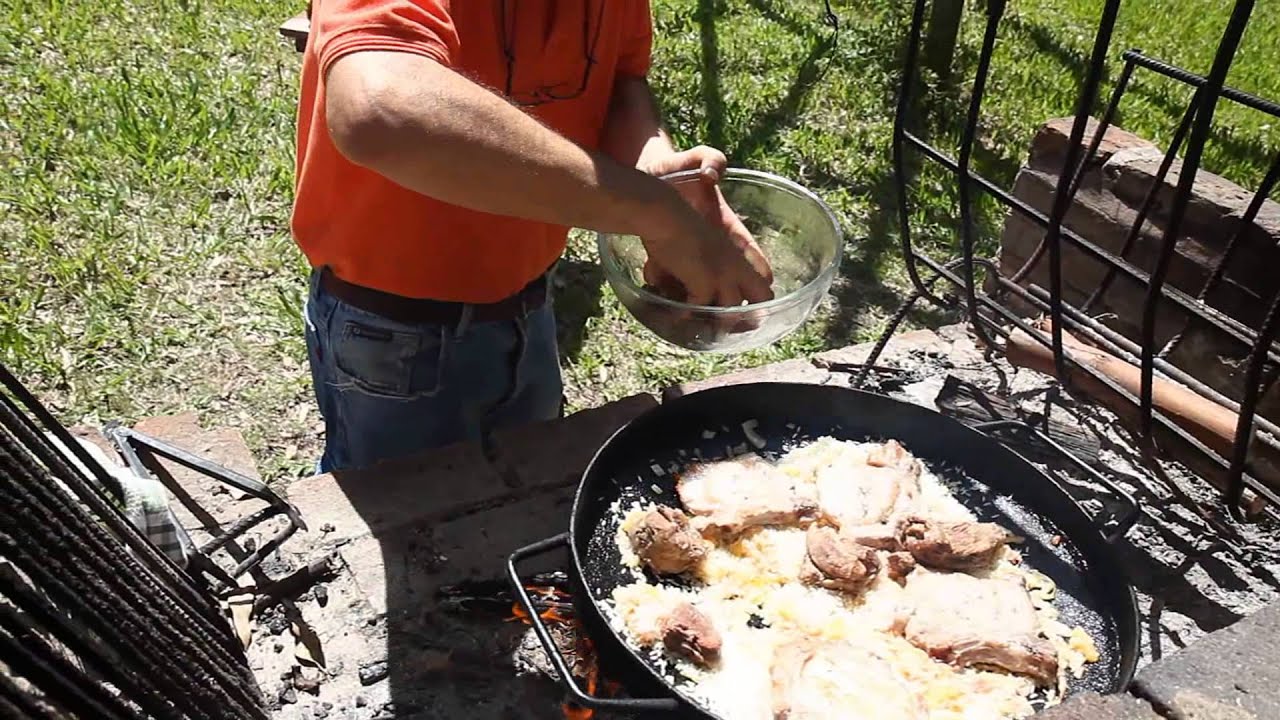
388,389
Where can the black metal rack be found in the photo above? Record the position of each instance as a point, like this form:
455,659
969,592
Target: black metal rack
989,316
95,621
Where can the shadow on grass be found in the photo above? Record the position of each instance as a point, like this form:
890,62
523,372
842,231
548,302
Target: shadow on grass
764,128
709,80
861,288
579,285
1244,152
1073,60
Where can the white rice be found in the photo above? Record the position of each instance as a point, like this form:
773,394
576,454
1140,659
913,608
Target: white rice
756,575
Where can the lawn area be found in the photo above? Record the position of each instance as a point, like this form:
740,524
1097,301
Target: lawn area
146,165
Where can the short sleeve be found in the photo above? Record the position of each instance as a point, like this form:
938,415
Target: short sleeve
422,27
637,39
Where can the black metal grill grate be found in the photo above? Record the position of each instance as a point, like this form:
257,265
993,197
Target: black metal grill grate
94,621
984,308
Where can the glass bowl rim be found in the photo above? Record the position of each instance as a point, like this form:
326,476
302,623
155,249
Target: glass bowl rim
827,274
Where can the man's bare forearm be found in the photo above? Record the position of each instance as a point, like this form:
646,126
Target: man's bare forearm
433,131
633,130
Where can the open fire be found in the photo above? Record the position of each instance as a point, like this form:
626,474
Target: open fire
556,609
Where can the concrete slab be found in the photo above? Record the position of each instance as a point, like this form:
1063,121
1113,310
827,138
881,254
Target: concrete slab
1230,674
396,494
448,482
401,571
224,446
1091,706
554,454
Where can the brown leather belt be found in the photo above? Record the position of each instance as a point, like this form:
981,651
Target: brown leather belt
439,312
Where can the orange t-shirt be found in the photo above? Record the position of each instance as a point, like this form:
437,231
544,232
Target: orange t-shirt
373,232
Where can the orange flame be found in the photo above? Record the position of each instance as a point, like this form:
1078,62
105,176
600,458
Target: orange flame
585,649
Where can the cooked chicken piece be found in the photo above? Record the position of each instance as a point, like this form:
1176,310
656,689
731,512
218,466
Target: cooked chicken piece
747,491
968,621
838,681
891,454
886,481
952,545
688,633
666,543
899,566
881,537
837,563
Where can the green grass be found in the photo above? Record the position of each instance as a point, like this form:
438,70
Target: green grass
146,171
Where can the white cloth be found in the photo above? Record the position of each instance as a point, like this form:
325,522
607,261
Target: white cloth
146,502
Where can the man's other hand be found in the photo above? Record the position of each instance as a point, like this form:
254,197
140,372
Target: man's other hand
706,257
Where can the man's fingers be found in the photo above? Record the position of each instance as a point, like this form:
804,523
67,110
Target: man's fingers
711,162
728,296
651,274
701,296
708,161
756,289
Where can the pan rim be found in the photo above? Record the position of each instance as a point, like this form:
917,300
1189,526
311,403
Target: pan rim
1126,610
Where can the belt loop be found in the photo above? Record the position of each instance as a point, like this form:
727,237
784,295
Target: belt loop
313,281
464,320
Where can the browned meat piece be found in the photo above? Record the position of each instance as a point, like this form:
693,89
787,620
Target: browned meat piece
838,681
880,537
688,633
900,565
951,545
968,621
837,563
732,495
666,543
884,483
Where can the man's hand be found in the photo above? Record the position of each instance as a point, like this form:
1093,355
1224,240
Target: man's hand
716,264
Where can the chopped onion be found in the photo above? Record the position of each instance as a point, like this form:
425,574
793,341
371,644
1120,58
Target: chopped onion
708,434
657,470
749,429
656,489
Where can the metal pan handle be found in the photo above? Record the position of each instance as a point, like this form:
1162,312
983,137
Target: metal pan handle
1123,521
579,697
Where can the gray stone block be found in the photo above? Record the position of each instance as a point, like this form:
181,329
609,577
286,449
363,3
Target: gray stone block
554,454
1231,674
446,482
398,493
1091,706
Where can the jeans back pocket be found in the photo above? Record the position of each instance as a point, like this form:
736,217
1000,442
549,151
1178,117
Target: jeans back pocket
390,360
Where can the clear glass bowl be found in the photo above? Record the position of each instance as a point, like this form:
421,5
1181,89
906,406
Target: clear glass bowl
798,234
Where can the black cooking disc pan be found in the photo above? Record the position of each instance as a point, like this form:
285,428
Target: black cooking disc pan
640,461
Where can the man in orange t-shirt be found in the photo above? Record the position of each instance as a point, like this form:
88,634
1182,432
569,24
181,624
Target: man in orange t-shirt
444,149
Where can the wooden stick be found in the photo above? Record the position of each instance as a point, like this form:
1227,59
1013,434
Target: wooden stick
1204,419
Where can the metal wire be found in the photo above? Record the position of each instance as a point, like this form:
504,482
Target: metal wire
48,668
92,650
1065,191
70,557
968,232
1148,200
1190,138
207,624
1209,93
1228,251
107,513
